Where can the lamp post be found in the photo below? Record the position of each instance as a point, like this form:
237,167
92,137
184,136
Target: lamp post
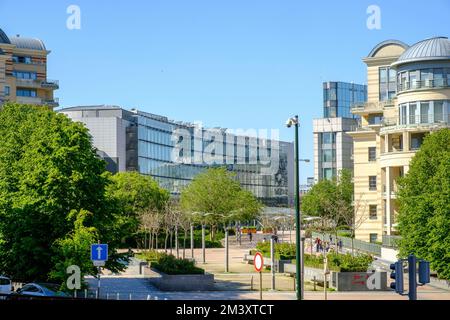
298,243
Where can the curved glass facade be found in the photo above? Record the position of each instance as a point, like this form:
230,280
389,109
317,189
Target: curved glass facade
419,78
424,112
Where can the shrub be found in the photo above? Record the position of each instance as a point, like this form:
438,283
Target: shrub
150,255
169,264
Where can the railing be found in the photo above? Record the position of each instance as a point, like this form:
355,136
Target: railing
372,106
423,84
37,83
390,241
50,83
358,245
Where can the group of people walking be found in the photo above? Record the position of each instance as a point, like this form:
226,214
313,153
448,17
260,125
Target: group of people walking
325,246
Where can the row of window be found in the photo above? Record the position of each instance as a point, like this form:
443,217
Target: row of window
21,59
424,112
26,93
423,78
27,75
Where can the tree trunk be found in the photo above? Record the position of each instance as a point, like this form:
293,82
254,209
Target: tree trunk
184,243
171,243
145,240
165,241
150,241
176,242
156,240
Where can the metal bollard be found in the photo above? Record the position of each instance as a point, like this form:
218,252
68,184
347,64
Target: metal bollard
107,296
118,296
251,284
149,297
85,293
130,296
314,281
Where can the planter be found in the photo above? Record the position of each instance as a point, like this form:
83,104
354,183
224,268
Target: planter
267,230
183,282
359,281
245,231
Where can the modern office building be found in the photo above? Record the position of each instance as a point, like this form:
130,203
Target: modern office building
333,147
23,72
408,98
174,152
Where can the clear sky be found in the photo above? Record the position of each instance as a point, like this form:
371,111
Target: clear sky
229,63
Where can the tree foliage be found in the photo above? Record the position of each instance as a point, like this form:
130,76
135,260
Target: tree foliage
424,206
134,195
48,170
216,193
331,199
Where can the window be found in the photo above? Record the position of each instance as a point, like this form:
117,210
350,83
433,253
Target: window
328,155
26,93
18,59
372,153
387,83
7,90
372,183
403,114
424,109
328,138
25,75
373,211
438,111
373,237
416,140
412,113
414,79
328,173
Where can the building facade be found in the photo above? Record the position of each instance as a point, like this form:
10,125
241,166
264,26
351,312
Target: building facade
174,152
23,72
333,147
408,98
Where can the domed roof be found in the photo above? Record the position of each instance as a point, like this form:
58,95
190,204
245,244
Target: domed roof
429,49
28,43
3,37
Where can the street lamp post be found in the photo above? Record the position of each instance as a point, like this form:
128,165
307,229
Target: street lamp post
298,242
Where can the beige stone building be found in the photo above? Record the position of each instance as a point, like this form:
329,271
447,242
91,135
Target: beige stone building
408,98
23,72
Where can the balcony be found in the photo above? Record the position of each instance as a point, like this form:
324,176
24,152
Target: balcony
423,84
423,121
34,83
54,103
54,84
371,107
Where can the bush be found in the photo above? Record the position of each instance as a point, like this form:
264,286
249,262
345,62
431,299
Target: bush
340,262
283,251
150,255
169,264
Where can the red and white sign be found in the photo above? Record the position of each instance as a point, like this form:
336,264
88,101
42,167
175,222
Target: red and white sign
258,262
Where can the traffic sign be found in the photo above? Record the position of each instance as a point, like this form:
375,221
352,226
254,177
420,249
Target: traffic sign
99,252
258,262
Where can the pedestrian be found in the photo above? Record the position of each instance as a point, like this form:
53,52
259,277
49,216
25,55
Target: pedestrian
250,235
340,244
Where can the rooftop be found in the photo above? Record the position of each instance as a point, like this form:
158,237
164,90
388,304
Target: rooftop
437,48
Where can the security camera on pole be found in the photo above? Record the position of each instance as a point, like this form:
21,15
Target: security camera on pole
298,243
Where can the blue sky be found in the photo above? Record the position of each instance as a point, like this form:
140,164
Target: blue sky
229,63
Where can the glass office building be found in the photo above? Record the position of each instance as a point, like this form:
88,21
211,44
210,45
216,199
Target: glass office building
174,152
339,97
333,148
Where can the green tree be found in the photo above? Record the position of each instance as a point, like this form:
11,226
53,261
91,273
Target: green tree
424,206
73,249
134,195
217,194
48,169
331,200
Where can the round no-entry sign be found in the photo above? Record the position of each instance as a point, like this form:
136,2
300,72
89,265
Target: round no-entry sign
258,262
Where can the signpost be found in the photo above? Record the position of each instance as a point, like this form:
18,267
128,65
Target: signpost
258,263
99,254
326,271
